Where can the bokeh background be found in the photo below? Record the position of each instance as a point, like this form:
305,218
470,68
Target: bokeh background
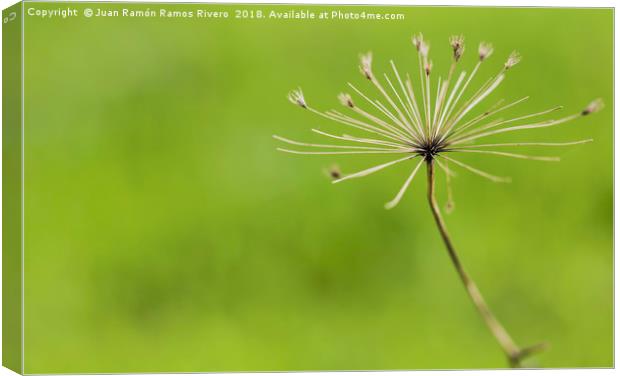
166,233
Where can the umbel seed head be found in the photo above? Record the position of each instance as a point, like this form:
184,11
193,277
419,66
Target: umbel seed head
484,50
436,133
457,42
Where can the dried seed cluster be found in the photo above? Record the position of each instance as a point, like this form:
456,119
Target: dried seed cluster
419,119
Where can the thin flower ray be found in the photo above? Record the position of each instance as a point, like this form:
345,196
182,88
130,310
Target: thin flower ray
347,101
493,178
403,122
293,142
508,121
462,91
373,169
445,168
543,124
415,117
402,190
360,125
478,99
593,107
513,155
413,131
384,112
411,92
492,111
343,152
369,141
569,143
448,105
355,123
387,113
452,117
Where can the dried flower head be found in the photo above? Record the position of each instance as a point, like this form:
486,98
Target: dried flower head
457,42
417,41
346,100
513,60
333,172
297,97
594,106
421,46
430,125
366,65
416,128
428,67
484,50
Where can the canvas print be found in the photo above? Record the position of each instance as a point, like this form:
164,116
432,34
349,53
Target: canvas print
233,187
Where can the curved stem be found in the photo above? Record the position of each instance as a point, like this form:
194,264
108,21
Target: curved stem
513,352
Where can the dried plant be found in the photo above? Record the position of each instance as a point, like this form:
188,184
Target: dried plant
414,125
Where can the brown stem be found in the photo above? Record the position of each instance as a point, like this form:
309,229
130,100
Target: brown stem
512,351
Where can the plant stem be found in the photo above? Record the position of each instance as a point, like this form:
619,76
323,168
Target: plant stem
513,352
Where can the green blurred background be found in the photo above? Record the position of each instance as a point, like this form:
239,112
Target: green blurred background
164,232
